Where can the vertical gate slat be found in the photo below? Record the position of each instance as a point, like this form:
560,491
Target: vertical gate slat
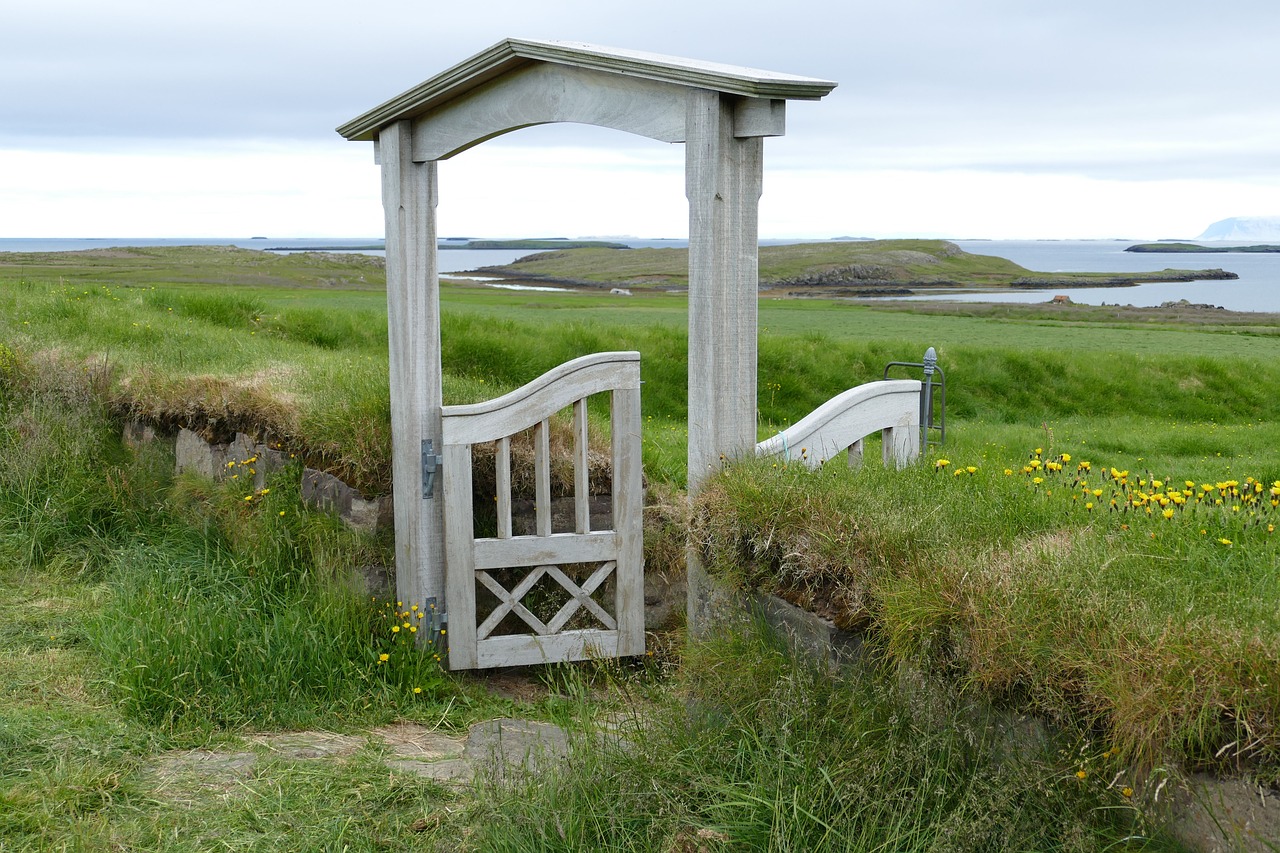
502,477
628,519
542,476
460,580
855,454
581,502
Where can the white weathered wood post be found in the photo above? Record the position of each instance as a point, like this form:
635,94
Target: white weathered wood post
413,336
723,174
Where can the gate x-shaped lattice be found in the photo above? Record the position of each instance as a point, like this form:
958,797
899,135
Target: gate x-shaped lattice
580,597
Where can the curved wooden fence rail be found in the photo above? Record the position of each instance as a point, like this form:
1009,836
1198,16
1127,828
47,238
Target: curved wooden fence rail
891,406
618,552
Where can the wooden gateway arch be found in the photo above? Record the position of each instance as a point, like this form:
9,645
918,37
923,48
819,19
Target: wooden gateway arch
722,114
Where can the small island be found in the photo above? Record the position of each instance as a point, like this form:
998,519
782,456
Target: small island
1197,249
825,270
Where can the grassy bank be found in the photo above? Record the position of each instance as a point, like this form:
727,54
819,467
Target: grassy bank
145,617
1135,602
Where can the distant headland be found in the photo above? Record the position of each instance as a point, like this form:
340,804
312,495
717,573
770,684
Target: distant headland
1196,248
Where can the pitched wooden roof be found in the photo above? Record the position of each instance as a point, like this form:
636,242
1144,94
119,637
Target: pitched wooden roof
510,54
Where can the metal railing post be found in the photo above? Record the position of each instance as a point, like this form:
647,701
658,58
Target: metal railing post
930,364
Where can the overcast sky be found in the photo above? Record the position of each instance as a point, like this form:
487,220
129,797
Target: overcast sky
1132,119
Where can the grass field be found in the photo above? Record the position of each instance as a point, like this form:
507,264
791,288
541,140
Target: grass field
143,613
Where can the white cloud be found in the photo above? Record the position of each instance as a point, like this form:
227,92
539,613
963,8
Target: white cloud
987,118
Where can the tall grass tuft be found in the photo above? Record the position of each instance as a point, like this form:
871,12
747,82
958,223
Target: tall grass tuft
753,750
228,606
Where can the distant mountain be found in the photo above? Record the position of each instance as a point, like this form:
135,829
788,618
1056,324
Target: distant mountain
1244,228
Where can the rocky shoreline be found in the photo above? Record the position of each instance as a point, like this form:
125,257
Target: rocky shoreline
821,287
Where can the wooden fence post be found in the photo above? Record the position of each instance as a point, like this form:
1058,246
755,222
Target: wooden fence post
723,178
413,330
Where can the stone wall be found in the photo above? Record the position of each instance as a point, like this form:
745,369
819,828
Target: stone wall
247,460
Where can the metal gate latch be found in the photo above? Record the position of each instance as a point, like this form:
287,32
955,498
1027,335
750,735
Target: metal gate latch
431,462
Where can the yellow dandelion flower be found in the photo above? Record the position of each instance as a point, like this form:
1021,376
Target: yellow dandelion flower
384,657
1226,542
248,497
417,690
395,629
413,629
1126,791
1080,774
971,469
1066,457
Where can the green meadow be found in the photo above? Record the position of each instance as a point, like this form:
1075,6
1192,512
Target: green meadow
1093,545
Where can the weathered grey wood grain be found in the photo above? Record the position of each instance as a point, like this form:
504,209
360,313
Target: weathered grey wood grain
542,476
535,550
581,497
552,391
855,453
529,649
502,478
723,184
413,332
542,94
628,518
460,598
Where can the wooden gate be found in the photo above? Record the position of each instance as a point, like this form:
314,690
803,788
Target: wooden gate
596,577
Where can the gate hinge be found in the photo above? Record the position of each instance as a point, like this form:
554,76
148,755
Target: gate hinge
431,463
